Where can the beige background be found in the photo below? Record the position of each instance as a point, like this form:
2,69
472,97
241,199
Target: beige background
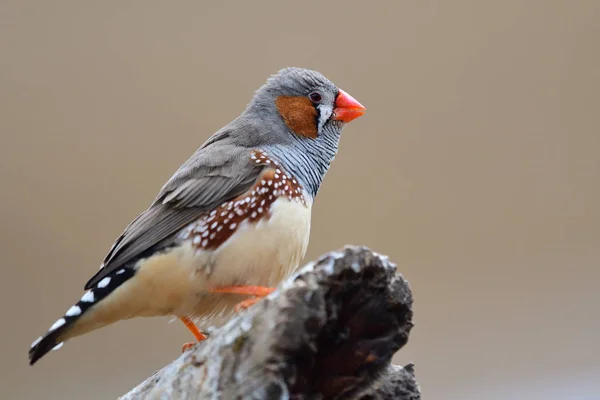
476,169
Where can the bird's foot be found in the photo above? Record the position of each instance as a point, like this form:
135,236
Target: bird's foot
187,346
243,305
258,291
195,331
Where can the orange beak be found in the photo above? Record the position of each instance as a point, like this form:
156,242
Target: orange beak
347,108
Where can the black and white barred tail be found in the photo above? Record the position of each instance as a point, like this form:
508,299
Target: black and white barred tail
67,327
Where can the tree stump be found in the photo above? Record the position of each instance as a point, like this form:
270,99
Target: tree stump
328,332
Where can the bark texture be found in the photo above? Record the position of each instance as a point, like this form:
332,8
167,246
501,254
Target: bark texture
329,332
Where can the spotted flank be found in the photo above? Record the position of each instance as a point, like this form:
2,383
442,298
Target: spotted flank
214,228
53,339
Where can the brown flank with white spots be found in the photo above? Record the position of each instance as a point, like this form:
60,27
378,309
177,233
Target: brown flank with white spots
214,228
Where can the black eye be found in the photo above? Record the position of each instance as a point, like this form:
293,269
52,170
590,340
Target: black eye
315,97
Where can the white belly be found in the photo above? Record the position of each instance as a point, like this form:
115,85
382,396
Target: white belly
179,282
257,254
265,252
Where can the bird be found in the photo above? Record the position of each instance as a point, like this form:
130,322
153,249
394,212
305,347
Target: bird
230,224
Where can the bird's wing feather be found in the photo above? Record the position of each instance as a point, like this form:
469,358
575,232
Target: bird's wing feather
213,175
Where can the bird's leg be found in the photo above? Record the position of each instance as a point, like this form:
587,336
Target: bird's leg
260,291
195,331
257,291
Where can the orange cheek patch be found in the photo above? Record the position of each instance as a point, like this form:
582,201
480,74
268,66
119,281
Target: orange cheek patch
299,114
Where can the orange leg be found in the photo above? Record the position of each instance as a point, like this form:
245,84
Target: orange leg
258,291
245,304
195,331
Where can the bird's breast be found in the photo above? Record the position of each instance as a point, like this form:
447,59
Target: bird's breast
257,238
259,252
274,190
262,252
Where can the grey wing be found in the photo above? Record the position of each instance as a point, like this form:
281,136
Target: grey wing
212,176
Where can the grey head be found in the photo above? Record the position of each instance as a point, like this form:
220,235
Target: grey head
301,115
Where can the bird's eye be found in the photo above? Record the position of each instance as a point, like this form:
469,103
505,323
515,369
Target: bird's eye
315,97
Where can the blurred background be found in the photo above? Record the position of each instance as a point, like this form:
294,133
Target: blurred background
476,169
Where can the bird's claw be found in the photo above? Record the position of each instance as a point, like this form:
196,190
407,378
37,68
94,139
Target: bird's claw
187,346
244,305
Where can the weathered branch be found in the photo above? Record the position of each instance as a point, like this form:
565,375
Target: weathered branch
329,332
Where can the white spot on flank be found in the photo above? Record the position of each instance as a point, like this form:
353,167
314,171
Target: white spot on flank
196,239
119,272
219,228
36,341
214,225
88,297
201,228
58,346
232,226
205,234
60,322
212,235
260,210
253,214
104,282
263,182
204,242
213,212
73,311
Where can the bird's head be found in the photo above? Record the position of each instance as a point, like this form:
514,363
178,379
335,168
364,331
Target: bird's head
307,103
297,117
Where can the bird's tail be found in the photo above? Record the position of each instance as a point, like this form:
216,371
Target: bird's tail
89,313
